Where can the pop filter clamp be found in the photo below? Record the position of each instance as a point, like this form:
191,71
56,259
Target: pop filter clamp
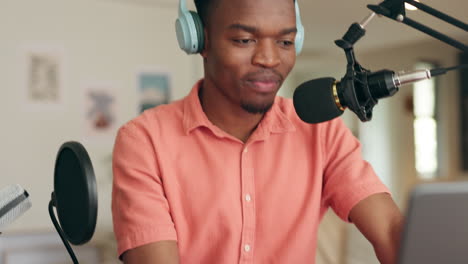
354,87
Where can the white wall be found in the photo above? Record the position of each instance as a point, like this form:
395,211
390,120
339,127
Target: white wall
102,41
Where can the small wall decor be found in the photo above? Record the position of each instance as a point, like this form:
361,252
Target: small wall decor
154,88
43,75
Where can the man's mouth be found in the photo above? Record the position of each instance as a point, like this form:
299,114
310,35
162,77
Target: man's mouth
264,83
264,86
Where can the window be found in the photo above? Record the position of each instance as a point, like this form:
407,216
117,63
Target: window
425,125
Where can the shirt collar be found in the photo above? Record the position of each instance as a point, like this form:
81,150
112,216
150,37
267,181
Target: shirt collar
194,116
274,121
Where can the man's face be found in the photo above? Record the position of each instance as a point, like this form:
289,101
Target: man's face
250,50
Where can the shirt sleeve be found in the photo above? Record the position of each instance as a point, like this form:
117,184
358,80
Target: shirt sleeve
348,178
140,210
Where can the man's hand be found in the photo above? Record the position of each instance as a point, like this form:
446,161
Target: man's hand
381,222
165,252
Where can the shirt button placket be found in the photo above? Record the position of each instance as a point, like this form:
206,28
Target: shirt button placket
248,228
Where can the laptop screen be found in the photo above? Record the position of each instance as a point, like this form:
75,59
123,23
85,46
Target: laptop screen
436,225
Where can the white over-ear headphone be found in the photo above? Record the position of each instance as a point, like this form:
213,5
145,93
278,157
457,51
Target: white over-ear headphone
190,35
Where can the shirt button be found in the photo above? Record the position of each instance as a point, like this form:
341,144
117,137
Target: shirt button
246,150
247,247
248,198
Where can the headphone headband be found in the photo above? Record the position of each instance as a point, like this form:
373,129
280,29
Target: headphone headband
190,34
182,7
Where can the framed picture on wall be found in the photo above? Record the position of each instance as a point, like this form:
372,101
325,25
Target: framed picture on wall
43,75
100,112
154,88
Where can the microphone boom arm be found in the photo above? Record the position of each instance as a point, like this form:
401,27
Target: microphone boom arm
395,9
355,85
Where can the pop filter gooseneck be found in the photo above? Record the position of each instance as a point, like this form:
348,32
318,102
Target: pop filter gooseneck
74,196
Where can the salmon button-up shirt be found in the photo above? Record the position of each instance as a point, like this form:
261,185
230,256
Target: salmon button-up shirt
179,177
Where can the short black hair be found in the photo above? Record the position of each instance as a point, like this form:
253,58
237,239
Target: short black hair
204,7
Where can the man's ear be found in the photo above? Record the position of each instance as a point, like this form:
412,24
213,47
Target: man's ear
203,53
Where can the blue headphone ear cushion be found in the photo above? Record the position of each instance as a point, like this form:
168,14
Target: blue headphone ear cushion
199,28
299,41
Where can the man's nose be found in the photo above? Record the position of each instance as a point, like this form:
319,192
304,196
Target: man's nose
266,54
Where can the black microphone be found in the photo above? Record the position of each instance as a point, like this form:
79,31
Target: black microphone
323,99
14,201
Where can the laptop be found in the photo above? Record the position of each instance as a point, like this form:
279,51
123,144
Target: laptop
436,225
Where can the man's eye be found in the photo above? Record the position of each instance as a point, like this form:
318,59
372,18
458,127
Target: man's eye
287,43
244,41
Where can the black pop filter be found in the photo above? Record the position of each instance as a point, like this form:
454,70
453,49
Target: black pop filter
75,195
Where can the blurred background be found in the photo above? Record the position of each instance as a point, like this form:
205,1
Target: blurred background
78,70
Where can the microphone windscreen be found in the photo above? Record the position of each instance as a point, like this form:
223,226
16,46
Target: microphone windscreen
14,202
314,101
